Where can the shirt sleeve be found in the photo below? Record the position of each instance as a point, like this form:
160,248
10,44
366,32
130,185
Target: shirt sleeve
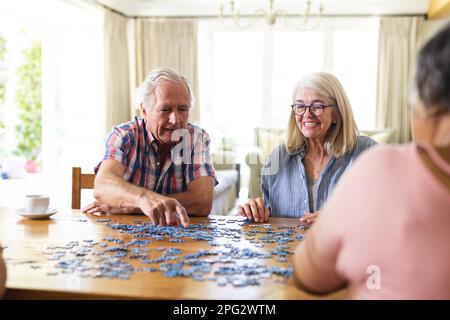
201,164
320,251
365,143
268,171
116,148
265,185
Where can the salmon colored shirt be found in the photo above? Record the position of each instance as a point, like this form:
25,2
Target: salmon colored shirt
386,228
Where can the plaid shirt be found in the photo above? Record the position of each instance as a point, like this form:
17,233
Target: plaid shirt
136,149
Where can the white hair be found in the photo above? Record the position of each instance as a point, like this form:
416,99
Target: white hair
155,77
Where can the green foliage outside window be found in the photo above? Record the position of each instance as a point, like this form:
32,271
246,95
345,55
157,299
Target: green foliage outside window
28,101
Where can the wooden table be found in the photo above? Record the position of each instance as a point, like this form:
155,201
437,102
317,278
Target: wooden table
32,276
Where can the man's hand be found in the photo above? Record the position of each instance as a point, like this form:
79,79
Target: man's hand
97,208
309,218
163,210
254,210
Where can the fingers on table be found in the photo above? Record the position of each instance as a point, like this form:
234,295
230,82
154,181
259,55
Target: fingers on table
154,216
182,215
90,206
266,214
241,211
262,211
247,211
254,210
305,217
99,210
167,212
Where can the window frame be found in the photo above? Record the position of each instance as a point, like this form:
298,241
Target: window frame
207,28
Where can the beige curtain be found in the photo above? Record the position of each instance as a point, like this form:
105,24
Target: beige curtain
116,70
427,28
396,58
168,43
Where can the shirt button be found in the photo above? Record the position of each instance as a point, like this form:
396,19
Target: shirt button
306,201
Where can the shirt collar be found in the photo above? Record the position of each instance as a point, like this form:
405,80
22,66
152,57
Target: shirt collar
148,136
151,139
300,151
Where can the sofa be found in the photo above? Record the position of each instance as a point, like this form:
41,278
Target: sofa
266,139
227,190
380,136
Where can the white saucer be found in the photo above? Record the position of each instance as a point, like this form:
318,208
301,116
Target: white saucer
34,216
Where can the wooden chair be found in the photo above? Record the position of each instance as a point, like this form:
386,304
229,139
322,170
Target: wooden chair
80,181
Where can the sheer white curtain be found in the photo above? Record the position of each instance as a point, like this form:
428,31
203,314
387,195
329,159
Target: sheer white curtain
116,70
171,43
73,97
396,57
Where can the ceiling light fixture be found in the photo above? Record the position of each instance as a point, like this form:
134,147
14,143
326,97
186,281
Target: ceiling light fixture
270,14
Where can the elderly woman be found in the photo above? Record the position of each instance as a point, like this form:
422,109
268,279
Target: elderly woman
322,141
384,233
2,273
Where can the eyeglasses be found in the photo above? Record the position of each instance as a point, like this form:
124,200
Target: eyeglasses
316,109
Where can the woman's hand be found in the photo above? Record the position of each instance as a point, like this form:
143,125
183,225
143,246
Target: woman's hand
309,218
254,210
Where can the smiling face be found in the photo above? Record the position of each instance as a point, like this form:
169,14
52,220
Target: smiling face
311,126
168,110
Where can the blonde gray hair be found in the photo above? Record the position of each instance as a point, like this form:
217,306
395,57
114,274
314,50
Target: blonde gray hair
155,77
342,135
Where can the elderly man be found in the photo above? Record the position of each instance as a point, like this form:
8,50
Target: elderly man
160,164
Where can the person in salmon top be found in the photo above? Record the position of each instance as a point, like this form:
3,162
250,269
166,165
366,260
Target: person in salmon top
384,233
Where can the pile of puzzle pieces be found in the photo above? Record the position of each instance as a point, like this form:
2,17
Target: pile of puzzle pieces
234,257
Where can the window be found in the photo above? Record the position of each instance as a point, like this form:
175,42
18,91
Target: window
255,71
355,54
237,90
246,78
72,94
294,54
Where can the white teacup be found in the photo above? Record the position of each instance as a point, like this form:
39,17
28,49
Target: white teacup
36,204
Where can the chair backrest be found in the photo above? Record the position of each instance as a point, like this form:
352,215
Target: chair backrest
268,139
381,136
80,181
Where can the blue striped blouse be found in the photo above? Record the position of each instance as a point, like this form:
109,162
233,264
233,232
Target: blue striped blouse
285,191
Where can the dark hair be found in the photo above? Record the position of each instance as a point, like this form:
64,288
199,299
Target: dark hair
433,71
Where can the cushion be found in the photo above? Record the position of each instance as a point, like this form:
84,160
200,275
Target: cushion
223,157
380,136
268,140
226,179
